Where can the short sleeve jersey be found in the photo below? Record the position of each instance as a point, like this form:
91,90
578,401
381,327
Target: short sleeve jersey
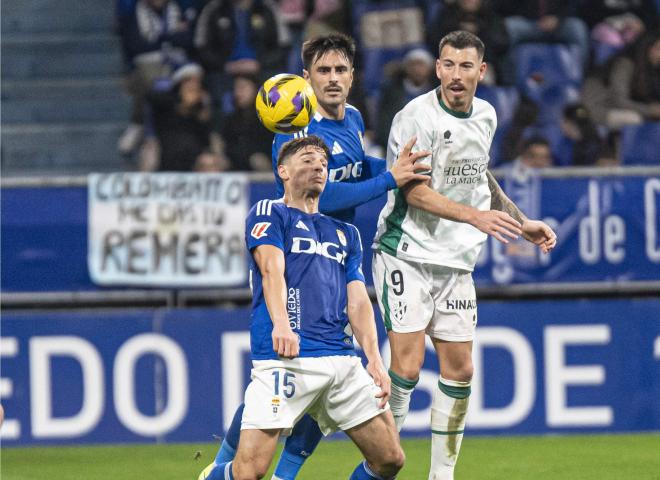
459,144
322,255
345,140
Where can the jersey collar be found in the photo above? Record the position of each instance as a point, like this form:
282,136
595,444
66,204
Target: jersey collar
453,113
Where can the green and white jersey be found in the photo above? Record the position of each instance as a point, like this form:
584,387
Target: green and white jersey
459,144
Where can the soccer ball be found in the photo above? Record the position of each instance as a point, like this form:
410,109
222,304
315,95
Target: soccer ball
285,103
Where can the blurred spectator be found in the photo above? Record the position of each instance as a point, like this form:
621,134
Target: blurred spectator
626,91
535,153
412,78
616,23
475,17
209,162
524,118
542,21
581,143
237,37
182,121
248,143
155,36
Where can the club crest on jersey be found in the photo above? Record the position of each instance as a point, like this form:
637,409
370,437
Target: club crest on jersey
342,237
259,230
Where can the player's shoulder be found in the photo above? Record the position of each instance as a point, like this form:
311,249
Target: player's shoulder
482,106
268,208
349,230
419,107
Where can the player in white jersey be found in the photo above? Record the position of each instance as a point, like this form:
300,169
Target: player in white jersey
430,234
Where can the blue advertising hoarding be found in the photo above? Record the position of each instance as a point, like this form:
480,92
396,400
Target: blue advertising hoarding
607,228
553,366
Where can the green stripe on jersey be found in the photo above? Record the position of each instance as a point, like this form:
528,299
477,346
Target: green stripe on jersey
389,241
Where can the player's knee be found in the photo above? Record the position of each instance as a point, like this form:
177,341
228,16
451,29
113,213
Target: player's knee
461,373
249,470
392,461
409,371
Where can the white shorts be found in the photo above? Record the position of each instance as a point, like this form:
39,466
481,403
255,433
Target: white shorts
416,296
335,390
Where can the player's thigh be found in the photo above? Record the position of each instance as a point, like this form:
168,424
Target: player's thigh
281,391
256,449
351,398
403,292
455,305
407,351
378,440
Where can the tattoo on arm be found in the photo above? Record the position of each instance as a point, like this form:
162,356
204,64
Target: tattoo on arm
499,200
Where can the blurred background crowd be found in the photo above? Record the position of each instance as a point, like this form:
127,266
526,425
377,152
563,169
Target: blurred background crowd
573,82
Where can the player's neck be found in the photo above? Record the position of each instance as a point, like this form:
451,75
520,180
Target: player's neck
302,201
332,112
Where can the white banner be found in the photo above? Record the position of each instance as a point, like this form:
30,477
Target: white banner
167,229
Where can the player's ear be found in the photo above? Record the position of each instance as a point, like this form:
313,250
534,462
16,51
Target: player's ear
482,70
305,74
282,172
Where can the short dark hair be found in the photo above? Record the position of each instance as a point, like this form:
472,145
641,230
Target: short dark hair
292,147
462,39
535,139
315,48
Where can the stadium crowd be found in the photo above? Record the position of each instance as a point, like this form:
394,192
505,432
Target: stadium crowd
574,74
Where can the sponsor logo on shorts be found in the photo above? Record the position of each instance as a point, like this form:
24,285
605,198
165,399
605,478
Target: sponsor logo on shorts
293,307
275,403
460,304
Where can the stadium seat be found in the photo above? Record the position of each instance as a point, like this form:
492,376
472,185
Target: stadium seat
639,144
540,66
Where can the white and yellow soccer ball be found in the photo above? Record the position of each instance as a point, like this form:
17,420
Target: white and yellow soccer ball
285,103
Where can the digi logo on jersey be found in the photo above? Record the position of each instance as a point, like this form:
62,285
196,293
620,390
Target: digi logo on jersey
325,249
351,170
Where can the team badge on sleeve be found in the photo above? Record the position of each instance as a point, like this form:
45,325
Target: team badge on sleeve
259,230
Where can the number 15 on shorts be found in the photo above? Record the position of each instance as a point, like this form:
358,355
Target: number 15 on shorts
288,387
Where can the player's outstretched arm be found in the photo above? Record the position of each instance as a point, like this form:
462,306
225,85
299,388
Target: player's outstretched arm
361,317
491,222
535,231
270,261
406,169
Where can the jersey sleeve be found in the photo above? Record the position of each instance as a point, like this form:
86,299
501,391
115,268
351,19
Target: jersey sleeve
265,225
278,141
342,195
354,258
404,127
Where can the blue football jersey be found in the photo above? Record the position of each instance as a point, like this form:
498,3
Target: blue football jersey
322,255
348,163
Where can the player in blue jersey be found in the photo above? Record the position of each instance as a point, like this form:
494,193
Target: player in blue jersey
353,179
301,335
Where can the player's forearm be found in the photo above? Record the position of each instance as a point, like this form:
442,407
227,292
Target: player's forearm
274,288
361,318
500,201
422,197
343,195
